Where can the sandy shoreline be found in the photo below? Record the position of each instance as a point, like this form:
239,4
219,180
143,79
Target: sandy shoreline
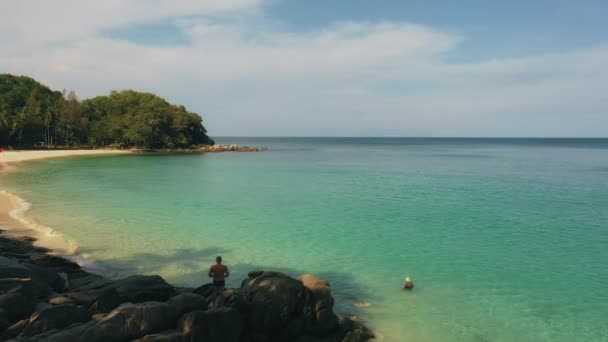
8,157
12,207
7,204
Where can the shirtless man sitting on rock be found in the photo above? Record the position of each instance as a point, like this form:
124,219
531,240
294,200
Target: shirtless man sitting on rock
219,273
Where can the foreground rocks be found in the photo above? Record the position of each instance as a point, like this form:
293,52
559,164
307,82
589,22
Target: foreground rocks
47,298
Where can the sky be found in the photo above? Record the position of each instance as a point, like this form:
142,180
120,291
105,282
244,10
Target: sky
430,68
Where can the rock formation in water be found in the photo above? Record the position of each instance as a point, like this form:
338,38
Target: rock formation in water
48,298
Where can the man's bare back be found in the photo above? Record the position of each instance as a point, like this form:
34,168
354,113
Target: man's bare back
218,272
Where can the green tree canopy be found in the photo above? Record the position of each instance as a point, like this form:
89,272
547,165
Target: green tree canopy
31,114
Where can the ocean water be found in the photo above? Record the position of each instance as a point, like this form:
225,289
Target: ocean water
505,239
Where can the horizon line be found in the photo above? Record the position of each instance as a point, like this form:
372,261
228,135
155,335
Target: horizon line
398,137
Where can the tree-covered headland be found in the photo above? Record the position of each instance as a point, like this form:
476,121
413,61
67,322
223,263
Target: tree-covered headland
34,116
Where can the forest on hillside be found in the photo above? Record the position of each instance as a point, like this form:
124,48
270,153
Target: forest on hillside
34,116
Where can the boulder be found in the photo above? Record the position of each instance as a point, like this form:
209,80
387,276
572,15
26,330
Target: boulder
4,323
308,338
140,288
18,303
11,283
204,290
353,331
131,321
321,303
55,317
19,247
165,336
233,298
106,301
88,283
71,334
49,277
14,329
55,263
86,298
187,302
275,301
10,268
213,325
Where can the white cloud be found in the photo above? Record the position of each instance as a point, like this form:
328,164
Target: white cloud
252,77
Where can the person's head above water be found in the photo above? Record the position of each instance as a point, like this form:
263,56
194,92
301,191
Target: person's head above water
218,259
409,284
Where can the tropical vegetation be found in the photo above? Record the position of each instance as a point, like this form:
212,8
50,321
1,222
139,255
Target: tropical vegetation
34,116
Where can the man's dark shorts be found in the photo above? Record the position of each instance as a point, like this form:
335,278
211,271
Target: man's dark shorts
219,283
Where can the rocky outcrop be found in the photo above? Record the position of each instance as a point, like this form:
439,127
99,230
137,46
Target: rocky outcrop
229,148
214,325
47,298
55,317
210,148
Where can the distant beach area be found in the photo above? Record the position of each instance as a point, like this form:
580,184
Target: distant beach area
7,157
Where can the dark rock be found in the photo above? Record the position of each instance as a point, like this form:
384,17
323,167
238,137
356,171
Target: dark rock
187,322
15,329
11,283
140,288
187,302
222,324
88,283
71,334
204,290
49,277
10,268
165,336
98,316
233,298
86,298
20,248
131,321
4,323
229,297
18,303
324,319
53,262
213,325
353,331
106,301
55,317
274,299
308,338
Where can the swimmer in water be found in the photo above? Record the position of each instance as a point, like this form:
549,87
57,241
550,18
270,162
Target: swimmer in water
408,285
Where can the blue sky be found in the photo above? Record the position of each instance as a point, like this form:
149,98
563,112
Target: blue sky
331,68
494,28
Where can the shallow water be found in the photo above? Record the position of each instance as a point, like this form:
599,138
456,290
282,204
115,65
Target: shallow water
506,240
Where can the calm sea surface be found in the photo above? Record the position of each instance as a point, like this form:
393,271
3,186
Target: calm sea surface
505,239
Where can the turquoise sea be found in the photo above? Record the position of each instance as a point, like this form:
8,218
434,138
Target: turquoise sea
505,239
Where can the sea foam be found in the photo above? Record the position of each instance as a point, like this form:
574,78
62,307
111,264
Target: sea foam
45,236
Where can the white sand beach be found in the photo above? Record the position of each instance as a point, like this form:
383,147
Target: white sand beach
7,157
